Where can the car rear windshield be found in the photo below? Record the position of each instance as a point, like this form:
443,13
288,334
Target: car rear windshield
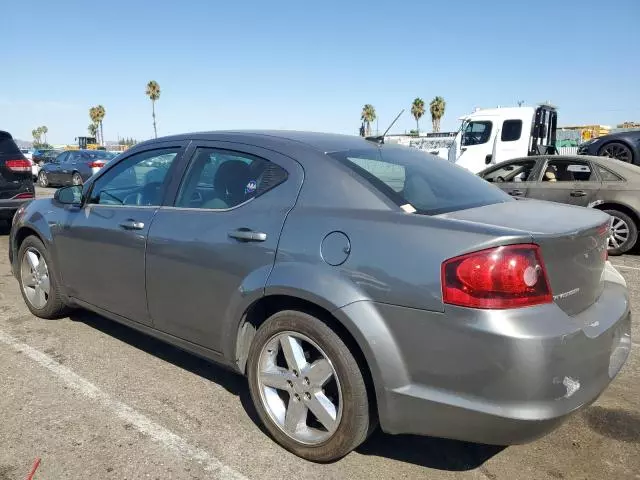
98,154
427,183
8,146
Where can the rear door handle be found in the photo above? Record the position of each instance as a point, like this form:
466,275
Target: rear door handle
516,193
578,193
246,235
132,225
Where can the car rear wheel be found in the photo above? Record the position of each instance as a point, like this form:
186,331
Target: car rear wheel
76,179
624,233
43,180
307,387
618,151
39,287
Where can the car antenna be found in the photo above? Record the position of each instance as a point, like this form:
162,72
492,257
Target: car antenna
379,139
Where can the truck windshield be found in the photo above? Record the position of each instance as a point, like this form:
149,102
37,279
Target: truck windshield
429,184
476,132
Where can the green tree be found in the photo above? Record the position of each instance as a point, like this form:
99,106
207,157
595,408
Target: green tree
436,107
153,92
368,115
93,115
44,130
417,110
92,129
100,113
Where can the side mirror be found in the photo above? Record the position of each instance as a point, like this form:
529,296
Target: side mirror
71,195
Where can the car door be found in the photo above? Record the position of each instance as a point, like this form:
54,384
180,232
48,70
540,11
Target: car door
53,168
512,177
476,145
101,246
214,248
566,180
67,167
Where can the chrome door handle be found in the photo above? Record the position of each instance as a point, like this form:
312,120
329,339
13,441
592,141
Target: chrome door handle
246,235
132,225
578,193
516,193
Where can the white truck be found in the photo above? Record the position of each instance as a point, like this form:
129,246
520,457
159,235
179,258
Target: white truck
490,136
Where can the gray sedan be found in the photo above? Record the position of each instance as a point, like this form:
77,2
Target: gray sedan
73,167
595,182
354,284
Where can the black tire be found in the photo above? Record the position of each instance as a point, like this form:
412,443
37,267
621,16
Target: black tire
356,420
55,306
76,179
617,150
633,233
43,179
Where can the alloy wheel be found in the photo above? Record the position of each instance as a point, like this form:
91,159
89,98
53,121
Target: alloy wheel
43,181
299,388
34,276
76,179
619,233
617,151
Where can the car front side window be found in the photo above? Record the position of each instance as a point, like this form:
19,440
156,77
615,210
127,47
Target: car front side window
136,181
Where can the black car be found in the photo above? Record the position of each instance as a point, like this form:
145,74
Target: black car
16,182
623,146
594,182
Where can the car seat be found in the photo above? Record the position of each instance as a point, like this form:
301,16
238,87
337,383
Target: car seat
229,185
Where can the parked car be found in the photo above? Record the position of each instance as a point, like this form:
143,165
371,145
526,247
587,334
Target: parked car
16,184
352,283
27,153
73,167
623,146
595,182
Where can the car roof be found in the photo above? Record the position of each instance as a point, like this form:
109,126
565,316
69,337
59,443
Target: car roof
323,142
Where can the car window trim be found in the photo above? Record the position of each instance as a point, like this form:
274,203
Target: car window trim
181,146
516,162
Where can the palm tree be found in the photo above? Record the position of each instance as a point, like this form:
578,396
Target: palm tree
437,107
417,110
93,115
368,115
153,92
44,130
34,133
92,129
100,116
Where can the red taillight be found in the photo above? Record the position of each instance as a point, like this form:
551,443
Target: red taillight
18,165
96,164
503,277
23,195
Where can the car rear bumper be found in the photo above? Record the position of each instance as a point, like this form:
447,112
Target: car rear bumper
497,377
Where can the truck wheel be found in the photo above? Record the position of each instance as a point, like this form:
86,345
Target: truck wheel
624,233
307,387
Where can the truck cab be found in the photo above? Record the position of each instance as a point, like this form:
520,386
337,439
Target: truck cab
490,136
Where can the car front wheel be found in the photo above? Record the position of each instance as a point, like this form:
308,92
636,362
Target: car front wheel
618,151
307,387
39,287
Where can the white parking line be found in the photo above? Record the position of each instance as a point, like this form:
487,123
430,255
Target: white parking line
624,266
144,424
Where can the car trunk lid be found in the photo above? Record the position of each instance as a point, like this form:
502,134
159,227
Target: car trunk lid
573,242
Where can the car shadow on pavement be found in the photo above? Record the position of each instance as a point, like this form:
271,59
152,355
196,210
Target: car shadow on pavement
429,452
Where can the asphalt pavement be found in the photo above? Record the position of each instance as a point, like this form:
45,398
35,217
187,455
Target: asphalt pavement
93,399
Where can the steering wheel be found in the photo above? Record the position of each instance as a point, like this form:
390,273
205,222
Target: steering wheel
499,179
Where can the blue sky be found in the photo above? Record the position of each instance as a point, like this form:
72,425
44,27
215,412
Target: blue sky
310,66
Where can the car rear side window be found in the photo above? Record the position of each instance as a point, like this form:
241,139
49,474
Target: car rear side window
511,130
608,175
427,183
568,171
222,179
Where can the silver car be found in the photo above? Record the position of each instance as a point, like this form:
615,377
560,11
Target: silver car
353,283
